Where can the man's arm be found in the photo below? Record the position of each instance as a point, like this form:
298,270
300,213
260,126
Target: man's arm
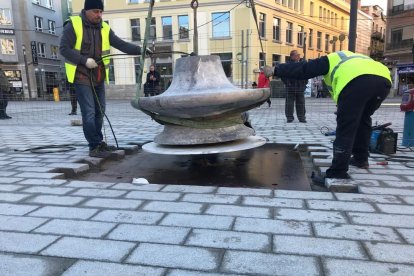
303,70
67,45
123,46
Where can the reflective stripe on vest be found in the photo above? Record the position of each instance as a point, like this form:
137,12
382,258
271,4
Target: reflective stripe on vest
344,66
78,28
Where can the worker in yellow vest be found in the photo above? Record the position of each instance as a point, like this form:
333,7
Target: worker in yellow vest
85,41
358,85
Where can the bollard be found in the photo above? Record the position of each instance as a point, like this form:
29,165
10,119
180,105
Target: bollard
408,134
56,94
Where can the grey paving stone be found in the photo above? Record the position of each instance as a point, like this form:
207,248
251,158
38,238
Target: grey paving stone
56,200
374,177
113,203
175,256
340,205
9,187
89,249
273,202
47,190
392,253
396,209
64,212
6,173
132,217
86,184
26,159
101,268
10,180
269,264
153,195
229,210
189,189
173,207
244,191
295,245
16,209
88,229
355,232
198,221
19,265
20,224
303,194
334,267
98,193
27,164
229,240
35,169
272,226
310,215
408,199
393,220
13,197
24,243
41,175
408,234
43,182
368,198
209,198
139,187
180,272
399,184
386,191
149,233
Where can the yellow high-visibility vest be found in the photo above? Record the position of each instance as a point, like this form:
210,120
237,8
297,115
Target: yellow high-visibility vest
344,66
78,28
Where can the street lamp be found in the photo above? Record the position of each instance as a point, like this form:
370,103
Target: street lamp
26,67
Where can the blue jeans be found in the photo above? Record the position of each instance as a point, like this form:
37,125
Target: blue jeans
92,112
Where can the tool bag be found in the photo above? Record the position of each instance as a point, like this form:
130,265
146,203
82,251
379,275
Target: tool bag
383,141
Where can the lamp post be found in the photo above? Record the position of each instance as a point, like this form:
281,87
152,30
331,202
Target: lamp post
26,67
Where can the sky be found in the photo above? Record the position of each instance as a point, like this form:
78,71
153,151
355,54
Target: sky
381,3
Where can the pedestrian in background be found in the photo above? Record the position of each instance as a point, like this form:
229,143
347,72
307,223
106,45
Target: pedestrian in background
295,94
358,84
263,82
85,40
152,85
4,93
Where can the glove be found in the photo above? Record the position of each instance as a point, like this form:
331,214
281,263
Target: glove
268,71
149,52
91,63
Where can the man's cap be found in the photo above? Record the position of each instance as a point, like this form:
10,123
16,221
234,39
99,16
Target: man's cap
93,5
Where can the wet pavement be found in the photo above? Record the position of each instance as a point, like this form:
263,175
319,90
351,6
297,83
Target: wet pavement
51,224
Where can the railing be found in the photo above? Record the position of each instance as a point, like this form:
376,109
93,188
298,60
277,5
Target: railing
404,44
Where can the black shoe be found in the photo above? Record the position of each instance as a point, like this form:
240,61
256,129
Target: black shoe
303,121
99,153
289,120
269,103
73,113
8,117
359,164
318,180
105,147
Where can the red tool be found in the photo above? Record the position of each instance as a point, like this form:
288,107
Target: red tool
383,163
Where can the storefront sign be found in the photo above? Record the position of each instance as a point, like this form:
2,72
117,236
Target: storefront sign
6,31
34,52
406,69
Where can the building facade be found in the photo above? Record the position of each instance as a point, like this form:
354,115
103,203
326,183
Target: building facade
363,40
377,31
30,46
226,28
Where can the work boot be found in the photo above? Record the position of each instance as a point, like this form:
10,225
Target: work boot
303,121
105,147
359,164
319,180
73,113
99,153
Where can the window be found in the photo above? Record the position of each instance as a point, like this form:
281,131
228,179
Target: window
311,9
334,40
183,26
276,29
167,27
153,29
221,24
54,50
319,41
275,59
133,1
326,43
284,2
49,4
342,23
5,17
290,4
52,27
262,59
296,5
226,61
41,49
289,30
396,36
336,20
262,25
137,65
7,46
39,24
324,15
301,31
320,13
397,6
135,29
310,38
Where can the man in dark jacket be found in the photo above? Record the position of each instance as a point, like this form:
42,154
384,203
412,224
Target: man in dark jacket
295,93
358,85
4,91
152,85
85,40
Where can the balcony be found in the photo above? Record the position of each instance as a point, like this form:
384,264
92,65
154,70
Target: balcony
401,45
377,36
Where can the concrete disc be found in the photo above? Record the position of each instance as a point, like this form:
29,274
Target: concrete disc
238,145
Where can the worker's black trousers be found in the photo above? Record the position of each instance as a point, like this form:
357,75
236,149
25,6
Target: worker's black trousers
356,103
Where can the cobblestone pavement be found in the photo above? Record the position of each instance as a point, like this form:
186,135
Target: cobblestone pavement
52,226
